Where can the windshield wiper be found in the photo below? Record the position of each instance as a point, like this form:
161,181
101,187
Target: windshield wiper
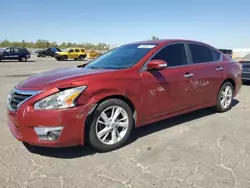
95,67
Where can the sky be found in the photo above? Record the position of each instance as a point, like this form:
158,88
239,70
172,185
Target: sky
221,23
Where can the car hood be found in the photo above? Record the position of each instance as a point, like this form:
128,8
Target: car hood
63,77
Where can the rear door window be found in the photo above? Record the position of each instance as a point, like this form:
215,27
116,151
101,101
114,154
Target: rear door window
201,54
77,50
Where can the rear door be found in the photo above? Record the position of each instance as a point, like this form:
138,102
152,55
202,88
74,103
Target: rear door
77,53
171,89
209,72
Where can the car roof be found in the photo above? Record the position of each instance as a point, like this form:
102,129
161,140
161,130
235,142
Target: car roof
166,41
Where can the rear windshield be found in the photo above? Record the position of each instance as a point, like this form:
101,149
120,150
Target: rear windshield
122,57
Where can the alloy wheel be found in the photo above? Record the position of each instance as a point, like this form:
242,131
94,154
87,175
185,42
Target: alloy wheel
226,96
112,125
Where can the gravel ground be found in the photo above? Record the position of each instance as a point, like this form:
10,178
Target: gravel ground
200,149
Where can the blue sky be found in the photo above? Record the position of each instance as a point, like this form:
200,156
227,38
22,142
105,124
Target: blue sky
218,22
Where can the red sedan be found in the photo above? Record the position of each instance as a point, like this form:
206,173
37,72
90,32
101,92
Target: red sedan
129,86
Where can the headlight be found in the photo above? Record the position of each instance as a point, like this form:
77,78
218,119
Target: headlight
63,99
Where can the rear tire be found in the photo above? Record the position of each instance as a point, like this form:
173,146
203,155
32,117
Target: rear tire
81,57
111,133
225,97
23,59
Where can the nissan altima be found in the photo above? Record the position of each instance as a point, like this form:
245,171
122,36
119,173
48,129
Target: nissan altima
101,102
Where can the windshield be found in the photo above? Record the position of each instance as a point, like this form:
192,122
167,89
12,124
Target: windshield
122,57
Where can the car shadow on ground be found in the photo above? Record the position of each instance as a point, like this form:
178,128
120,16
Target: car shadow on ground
29,61
82,151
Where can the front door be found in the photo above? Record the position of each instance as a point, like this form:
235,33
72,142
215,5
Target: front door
71,53
14,53
6,53
169,90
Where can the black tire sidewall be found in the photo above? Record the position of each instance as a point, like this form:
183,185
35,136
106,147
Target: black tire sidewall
81,58
92,137
65,58
219,107
22,59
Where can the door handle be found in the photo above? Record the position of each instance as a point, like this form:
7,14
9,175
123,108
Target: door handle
188,75
219,68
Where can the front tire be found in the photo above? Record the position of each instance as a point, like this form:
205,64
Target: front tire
64,58
110,125
225,97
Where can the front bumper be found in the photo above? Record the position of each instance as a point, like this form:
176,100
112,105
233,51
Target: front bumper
22,125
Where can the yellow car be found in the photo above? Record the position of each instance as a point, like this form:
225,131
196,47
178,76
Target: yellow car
93,54
71,53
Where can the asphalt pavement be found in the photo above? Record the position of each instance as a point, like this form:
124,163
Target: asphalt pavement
202,149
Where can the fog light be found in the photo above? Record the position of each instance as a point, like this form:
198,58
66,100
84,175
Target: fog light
51,136
48,133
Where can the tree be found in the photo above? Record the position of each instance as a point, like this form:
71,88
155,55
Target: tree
41,43
154,38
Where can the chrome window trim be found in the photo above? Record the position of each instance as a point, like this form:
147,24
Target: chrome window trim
186,44
22,92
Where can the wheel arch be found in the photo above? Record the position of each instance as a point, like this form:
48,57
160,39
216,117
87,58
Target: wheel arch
231,80
115,96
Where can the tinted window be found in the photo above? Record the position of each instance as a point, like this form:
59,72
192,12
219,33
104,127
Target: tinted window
82,50
23,50
121,57
71,50
216,56
77,50
15,50
201,53
174,55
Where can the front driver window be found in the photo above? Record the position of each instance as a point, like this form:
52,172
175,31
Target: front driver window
71,50
174,55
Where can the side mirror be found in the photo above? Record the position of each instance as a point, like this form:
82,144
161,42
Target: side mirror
157,65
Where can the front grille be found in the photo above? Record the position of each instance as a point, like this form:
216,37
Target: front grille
16,98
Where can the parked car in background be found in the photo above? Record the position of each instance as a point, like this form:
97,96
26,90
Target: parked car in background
245,68
92,54
15,53
228,52
130,86
71,53
47,52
